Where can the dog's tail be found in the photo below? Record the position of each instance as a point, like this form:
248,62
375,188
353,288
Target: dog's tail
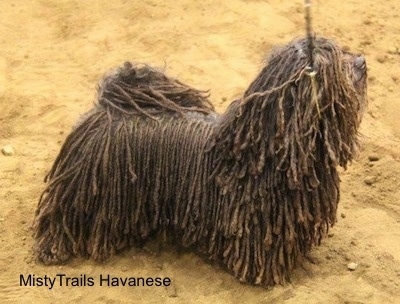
143,90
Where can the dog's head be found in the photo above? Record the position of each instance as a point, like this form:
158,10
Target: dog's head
313,102
356,68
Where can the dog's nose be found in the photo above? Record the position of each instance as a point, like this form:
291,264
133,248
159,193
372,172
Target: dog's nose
360,62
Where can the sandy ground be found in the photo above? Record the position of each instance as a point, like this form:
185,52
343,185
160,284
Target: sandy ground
53,53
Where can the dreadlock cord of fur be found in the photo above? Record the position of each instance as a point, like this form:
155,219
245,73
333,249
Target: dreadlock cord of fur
254,188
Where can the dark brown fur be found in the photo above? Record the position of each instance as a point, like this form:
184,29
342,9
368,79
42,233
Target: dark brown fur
254,188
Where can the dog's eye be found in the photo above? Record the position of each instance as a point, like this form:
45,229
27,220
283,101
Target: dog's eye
359,62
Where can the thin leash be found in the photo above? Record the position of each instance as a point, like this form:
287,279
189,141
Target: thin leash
310,70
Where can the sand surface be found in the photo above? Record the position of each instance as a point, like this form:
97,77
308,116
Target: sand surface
53,53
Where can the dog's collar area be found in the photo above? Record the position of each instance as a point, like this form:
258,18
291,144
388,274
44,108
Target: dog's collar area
310,71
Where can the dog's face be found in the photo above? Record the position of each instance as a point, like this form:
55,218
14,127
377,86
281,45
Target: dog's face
356,69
